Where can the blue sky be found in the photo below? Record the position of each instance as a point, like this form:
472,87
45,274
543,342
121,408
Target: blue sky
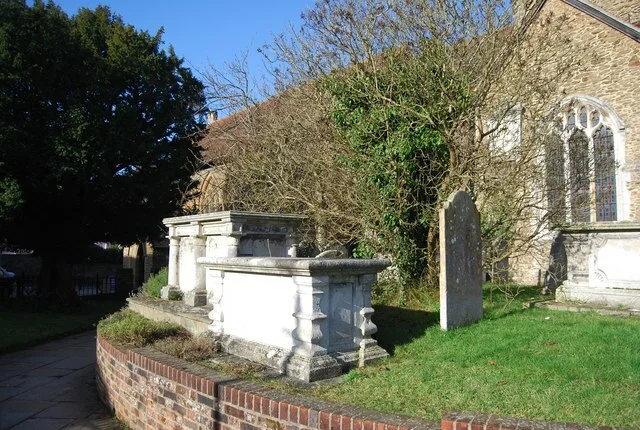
206,31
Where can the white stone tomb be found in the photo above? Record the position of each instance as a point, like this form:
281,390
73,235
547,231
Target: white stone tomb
309,318
603,264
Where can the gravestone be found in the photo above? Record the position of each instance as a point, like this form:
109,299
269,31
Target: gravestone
460,262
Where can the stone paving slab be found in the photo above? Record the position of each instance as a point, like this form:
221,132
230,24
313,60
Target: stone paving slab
13,411
42,423
52,386
26,381
71,410
75,363
48,393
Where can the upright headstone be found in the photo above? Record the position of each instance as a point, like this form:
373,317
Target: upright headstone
460,262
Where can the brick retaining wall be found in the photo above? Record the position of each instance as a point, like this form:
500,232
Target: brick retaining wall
150,390
147,389
472,421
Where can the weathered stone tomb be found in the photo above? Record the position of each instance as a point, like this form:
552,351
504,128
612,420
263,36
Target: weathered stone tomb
223,234
309,318
603,264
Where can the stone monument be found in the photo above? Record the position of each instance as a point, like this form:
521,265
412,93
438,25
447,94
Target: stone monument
223,234
460,262
603,264
307,317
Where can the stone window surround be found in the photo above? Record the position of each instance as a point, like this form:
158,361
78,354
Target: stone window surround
608,118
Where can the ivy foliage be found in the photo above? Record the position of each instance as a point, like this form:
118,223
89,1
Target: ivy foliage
396,114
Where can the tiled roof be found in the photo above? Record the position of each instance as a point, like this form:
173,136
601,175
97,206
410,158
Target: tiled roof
223,137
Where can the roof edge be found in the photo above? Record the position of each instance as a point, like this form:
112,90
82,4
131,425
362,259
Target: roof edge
606,18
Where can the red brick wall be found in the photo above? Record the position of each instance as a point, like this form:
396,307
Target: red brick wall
150,390
472,421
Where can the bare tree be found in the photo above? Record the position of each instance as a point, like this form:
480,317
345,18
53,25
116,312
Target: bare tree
479,75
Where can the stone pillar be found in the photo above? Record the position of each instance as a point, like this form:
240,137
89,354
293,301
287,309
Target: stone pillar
174,258
233,243
369,350
197,296
215,283
311,360
460,262
292,246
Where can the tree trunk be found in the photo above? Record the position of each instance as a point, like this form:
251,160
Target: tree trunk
56,282
432,275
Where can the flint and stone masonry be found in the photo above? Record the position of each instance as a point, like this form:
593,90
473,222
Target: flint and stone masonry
460,262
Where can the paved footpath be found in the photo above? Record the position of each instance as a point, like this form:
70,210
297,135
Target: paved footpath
52,386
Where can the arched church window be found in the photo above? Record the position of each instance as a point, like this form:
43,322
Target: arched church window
583,117
584,156
571,121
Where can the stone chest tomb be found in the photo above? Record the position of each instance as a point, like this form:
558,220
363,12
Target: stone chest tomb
309,318
223,234
603,264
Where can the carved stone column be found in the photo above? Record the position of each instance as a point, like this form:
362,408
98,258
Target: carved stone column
368,347
311,357
174,258
215,281
292,245
197,295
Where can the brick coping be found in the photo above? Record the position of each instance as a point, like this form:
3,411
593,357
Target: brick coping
156,381
234,400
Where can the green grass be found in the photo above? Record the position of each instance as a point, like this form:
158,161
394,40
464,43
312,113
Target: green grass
132,329
534,363
22,327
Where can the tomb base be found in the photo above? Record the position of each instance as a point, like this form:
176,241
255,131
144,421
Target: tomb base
195,298
306,367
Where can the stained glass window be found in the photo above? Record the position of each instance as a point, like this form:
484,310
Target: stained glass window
582,170
604,170
583,117
579,176
571,122
555,178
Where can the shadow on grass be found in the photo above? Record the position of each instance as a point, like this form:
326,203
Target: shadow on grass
399,326
24,326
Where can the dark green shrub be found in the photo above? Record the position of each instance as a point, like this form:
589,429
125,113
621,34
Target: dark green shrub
98,255
153,285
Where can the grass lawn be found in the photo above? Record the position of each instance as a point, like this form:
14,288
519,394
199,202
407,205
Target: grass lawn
533,363
24,327
529,363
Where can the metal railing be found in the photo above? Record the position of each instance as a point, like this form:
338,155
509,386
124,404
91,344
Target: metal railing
24,287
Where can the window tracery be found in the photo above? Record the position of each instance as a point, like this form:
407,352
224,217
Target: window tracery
583,163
